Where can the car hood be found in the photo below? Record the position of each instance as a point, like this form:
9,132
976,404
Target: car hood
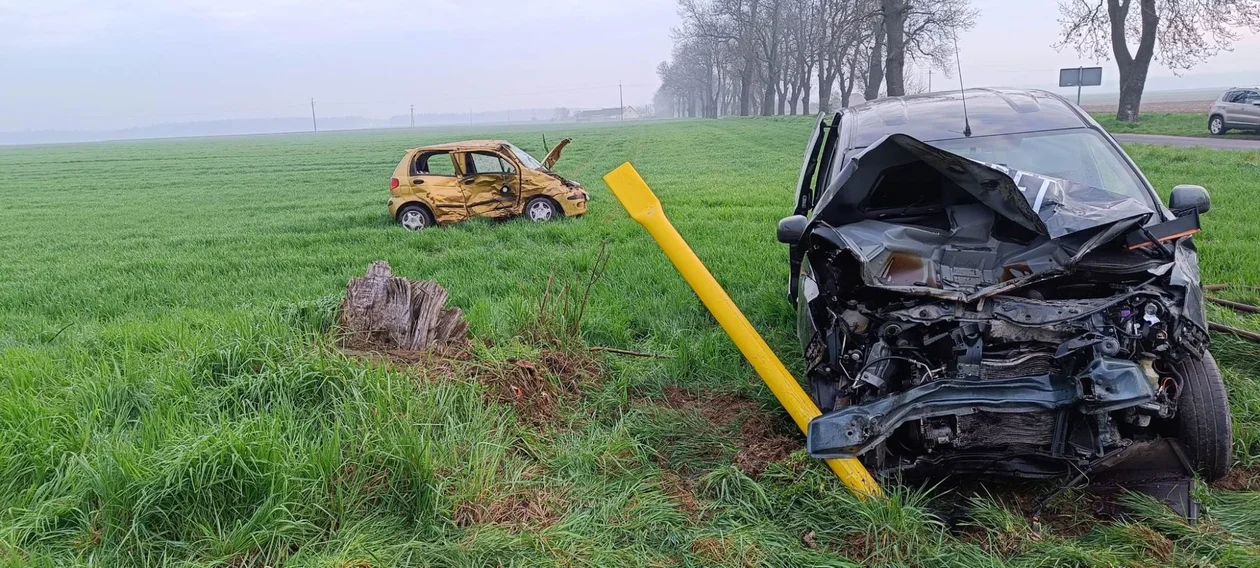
981,230
554,155
1042,204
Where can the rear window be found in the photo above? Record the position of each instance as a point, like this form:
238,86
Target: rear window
434,164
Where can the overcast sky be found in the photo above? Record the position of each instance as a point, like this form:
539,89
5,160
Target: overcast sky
72,64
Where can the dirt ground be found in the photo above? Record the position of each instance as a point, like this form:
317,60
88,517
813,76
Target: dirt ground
761,439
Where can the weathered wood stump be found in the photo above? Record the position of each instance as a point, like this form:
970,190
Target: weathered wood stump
390,311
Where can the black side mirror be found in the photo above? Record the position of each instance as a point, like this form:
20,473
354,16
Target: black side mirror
1189,197
791,229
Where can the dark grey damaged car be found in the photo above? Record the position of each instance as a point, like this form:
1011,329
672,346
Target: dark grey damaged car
1001,293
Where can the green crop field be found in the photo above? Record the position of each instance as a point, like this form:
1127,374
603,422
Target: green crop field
1169,124
170,392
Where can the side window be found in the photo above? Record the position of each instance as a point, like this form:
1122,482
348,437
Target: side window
1228,96
1249,97
434,164
487,163
1241,96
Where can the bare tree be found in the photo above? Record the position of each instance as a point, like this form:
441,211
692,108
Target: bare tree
875,59
802,35
768,55
733,23
1183,32
769,35
921,29
839,40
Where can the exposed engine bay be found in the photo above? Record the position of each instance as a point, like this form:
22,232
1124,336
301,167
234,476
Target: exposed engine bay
971,317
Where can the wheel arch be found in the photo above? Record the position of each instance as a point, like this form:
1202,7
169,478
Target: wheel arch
406,204
555,205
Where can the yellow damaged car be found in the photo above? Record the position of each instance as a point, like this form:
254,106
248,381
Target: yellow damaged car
448,183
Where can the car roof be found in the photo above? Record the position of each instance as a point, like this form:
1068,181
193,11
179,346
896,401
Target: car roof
465,145
939,116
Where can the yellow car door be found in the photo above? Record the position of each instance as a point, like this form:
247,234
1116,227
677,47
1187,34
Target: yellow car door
435,179
491,184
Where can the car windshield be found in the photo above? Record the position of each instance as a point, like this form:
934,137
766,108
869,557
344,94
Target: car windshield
1079,155
526,159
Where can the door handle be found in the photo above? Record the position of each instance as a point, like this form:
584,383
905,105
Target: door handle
417,181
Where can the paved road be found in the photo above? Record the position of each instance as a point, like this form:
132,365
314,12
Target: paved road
1189,142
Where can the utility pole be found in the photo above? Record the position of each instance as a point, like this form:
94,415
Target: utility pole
413,116
469,116
929,79
621,100
314,125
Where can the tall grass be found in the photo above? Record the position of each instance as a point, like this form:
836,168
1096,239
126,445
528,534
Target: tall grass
169,394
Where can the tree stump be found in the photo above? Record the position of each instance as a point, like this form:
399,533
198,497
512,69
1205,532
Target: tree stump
390,311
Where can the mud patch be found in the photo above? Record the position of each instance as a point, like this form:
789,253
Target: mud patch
680,491
538,389
1239,479
759,436
525,507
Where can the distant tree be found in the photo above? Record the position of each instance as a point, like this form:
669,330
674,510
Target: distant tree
839,42
560,113
1181,33
766,56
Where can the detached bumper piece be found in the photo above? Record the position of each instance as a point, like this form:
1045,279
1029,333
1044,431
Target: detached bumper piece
1108,384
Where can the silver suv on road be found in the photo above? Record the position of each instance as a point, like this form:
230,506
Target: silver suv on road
1237,108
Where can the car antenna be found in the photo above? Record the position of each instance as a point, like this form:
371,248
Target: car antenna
962,87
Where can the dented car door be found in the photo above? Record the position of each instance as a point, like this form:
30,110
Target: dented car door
490,183
435,179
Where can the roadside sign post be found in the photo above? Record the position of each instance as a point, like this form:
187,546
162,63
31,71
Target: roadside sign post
645,208
1080,77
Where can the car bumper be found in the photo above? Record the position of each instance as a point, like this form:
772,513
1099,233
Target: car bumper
850,431
574,203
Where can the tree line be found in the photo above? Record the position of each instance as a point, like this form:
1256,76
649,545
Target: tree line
768,57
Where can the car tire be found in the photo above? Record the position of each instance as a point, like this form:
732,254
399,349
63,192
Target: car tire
1216,125
415,217
1204,425
542,209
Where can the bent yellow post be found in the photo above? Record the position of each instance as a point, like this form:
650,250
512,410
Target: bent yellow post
644,208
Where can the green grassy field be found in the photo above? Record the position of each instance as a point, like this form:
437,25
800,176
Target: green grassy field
1169,124
170,394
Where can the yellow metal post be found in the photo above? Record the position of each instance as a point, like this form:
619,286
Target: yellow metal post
644,208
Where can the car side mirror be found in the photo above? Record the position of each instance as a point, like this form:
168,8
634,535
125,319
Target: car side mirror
791,229
1189,197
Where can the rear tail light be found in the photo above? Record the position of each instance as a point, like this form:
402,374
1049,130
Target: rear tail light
393,183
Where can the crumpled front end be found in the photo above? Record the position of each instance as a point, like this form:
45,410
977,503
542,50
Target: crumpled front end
989,326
